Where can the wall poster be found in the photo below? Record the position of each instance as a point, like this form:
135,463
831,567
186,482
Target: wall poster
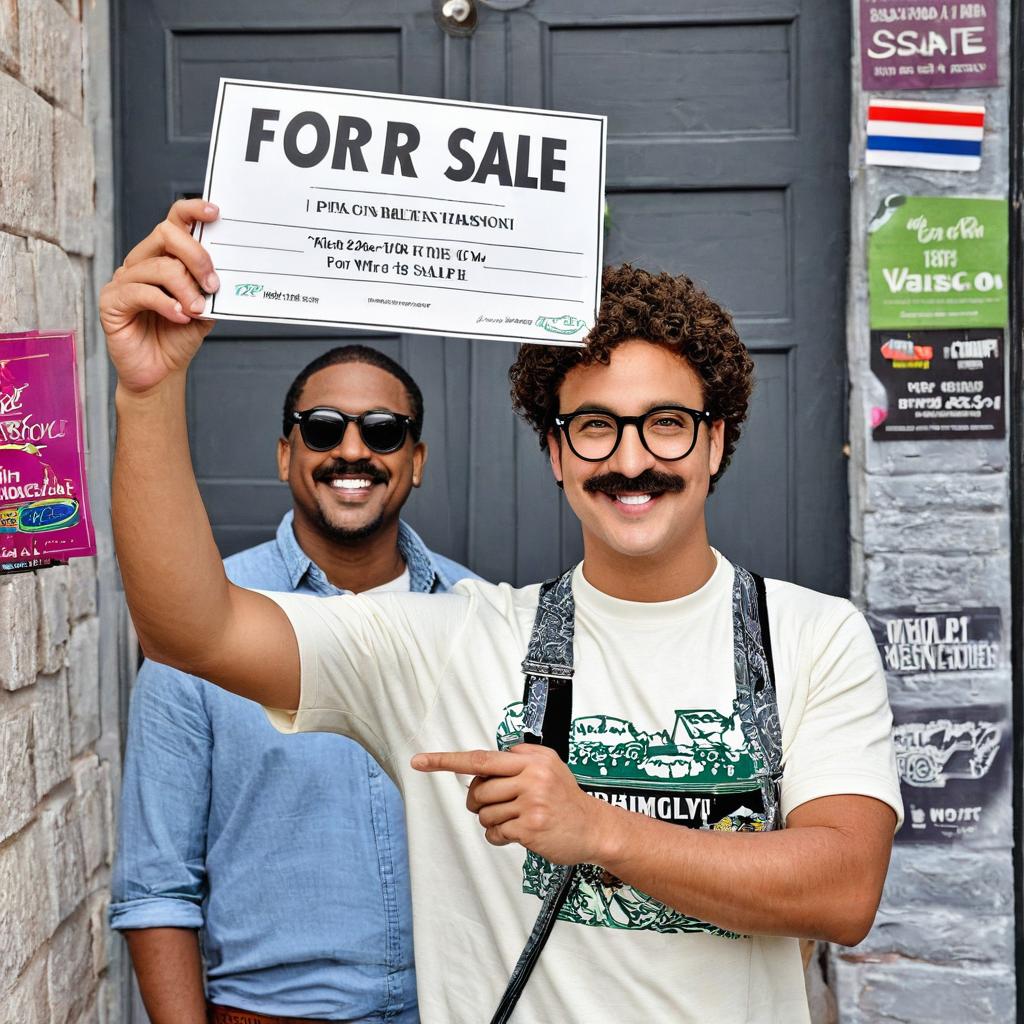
954,766
940,385
44,501
919,639
927,45
938,261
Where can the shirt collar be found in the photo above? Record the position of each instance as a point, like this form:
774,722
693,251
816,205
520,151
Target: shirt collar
425,574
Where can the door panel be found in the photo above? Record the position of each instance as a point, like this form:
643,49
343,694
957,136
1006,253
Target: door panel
726,161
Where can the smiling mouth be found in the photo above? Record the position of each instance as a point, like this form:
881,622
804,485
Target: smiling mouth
351,488
348,483
637,503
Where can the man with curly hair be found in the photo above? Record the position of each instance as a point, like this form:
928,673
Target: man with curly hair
676,710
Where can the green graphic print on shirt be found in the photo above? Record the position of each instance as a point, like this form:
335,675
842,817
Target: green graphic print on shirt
699,773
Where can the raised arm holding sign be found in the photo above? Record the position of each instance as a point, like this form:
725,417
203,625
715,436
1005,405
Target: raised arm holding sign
711,707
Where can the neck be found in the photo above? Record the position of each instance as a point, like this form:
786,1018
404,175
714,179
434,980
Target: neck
357,566
648,578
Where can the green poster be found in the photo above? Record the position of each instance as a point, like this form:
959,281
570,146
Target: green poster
938,261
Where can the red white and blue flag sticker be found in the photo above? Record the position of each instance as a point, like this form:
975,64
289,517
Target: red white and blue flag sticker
940,136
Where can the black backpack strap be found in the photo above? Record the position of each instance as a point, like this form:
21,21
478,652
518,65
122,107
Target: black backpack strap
756,699
547,719
762,618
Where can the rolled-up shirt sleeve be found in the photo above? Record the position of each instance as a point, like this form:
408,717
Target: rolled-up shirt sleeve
371,664
843,742
159,876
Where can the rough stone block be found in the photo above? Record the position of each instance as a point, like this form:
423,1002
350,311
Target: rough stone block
26,169
64,858
51,52
899,991
52,601
922,876
935,530
92,792
893,458
84,685
51,730
18,625
72,979
75,177
894,579
938,935
82,587
27,1002
58,289
9,36
26,906
17,286
17,777
98,927
975,492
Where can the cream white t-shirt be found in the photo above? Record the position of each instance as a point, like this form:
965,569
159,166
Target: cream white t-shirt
653,730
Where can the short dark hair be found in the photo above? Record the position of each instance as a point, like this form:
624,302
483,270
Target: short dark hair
665,310
355,354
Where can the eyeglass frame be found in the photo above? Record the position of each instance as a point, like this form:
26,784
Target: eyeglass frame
621,422
409,426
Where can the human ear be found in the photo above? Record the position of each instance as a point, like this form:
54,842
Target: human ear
716,448
555,455
419,460
284,457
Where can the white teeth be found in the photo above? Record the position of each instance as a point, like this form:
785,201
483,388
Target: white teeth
634,499
351,485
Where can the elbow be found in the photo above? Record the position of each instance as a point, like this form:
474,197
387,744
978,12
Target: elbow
851,927
164,655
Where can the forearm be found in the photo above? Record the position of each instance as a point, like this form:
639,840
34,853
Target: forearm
173,577
811,882
169,969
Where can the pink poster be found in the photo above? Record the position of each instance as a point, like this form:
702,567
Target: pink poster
44,502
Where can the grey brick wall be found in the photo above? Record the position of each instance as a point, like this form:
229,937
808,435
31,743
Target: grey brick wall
942,946
58,696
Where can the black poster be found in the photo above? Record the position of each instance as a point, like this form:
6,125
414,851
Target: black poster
922,640
954,773
940,385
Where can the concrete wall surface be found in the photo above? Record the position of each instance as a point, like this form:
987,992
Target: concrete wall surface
58,701
929,522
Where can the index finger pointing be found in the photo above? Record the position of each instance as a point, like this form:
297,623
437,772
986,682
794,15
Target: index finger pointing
469,762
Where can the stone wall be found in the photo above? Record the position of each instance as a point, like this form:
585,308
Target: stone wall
58,724
929,520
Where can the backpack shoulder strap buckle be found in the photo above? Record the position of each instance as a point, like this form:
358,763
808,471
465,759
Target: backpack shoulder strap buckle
546,669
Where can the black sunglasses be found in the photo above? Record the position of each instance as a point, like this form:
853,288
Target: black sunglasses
323,428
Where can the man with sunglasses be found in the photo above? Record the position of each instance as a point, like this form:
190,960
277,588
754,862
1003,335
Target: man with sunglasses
672,712
287,855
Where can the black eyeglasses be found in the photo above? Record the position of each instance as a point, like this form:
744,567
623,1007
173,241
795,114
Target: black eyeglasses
323,428
669,432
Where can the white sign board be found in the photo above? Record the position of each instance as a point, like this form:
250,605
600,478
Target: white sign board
359,209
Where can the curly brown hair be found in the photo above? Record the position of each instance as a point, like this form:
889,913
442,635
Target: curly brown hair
666,310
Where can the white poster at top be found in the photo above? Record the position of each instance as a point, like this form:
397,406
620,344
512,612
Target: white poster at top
405,213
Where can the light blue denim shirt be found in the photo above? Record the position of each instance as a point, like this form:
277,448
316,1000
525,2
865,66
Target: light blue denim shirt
287,852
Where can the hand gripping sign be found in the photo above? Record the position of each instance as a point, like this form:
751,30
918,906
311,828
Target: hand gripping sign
361,209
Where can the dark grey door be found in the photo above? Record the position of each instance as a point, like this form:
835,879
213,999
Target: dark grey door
726,161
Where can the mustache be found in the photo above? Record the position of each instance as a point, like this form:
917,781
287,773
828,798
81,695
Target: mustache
341,467
649,481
